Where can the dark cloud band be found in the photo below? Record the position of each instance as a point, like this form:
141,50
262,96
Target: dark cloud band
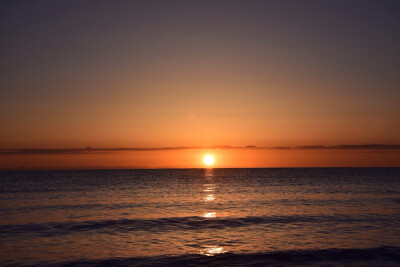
89,150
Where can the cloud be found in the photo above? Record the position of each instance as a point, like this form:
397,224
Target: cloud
367,146
89,150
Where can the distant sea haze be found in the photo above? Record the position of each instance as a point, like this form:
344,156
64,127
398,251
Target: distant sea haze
283,216
22,151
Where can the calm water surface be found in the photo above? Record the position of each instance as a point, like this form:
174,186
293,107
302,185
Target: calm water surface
333,216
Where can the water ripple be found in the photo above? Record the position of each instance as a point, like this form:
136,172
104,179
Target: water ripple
180,223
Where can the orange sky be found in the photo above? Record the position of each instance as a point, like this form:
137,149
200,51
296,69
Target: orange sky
199,74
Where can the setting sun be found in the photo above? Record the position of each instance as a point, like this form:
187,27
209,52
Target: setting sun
208,160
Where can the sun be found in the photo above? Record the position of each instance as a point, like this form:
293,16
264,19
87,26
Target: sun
208,160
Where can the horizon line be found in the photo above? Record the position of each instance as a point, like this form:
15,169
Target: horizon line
99,168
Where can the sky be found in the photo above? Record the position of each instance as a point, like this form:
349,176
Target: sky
199,77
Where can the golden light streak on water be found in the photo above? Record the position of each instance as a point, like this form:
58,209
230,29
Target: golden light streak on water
212,250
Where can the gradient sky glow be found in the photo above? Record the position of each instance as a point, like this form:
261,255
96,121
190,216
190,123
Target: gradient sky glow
141,74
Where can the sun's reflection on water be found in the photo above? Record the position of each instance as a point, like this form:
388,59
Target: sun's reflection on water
211,250
209,173
210,215
209,187
209,197
209,190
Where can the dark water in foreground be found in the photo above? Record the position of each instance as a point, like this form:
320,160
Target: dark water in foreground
256,217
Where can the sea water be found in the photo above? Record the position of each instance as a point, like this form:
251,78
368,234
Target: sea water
286,216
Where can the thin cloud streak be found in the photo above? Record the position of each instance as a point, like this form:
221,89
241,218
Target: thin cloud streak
89,150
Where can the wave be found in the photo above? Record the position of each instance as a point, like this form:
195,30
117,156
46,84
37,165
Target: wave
178,223
380,256
283,201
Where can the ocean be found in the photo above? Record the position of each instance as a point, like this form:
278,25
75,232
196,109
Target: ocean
207,217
